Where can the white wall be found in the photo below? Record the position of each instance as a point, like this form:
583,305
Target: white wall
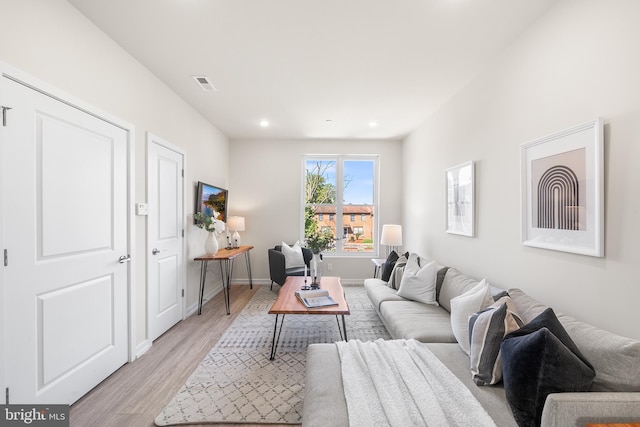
52,41
578,62
266,188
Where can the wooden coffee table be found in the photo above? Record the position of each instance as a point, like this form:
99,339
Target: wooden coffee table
288,303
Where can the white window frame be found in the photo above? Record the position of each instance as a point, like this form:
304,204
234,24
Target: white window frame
340,159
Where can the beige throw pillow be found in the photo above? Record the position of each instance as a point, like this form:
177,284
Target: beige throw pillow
463,306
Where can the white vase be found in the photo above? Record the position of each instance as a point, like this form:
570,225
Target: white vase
316,269
211,244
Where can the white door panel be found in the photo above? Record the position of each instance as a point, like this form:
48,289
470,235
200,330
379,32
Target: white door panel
165,224
66,225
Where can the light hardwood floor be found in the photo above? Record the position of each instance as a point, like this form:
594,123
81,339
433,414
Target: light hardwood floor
135,394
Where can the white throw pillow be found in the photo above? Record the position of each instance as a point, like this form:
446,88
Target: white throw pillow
419,282
465,305
293,255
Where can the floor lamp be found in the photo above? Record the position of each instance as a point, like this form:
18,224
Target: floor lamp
391,236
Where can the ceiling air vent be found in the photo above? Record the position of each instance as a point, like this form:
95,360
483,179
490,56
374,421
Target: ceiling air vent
204,83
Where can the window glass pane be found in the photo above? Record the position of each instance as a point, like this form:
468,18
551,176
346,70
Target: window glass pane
359,230
358,182
339,202
358,205
320,199
320,182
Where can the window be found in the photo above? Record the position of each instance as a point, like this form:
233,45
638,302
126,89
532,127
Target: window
345,188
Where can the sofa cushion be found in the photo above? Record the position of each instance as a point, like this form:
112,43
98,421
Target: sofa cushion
419,280
491,398
487,329
293,255
538,359
388,266
423,322
378,292
454,284
616,359
463,306
442,272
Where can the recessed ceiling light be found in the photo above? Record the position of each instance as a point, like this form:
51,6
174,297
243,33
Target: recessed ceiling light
264,123
328,121
373,124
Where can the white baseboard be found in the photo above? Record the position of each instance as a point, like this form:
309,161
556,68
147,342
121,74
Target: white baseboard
142,348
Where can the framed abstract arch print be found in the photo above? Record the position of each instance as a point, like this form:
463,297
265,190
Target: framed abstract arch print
562,200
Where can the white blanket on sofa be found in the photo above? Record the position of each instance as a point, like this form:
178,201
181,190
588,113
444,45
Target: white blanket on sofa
401,383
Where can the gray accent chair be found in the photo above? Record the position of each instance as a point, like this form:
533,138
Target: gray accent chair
277,271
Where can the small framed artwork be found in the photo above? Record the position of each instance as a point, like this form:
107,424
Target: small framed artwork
460,199
562,179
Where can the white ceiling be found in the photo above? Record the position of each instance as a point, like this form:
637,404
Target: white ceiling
299,63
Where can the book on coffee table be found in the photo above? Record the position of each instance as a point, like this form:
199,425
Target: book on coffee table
315,298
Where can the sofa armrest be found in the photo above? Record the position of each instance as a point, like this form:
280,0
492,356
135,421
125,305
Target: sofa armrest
277,271
580,409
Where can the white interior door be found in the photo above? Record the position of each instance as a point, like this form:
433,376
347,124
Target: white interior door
165,274
65,181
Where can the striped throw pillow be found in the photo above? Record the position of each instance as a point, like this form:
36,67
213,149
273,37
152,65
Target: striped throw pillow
487,329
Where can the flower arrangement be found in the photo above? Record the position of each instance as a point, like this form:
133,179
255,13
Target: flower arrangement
210,223
319,241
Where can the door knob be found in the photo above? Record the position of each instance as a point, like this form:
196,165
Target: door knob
124,259
155,251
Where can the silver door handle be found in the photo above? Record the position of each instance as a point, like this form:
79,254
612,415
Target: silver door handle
155,251
124,259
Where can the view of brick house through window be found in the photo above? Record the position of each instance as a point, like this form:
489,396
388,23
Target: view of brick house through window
340,194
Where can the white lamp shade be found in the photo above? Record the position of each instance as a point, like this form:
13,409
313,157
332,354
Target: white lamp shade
235,223
391,235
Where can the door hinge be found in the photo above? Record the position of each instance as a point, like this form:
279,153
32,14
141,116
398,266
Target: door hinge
183,233
6,257
183,293
7,396
183,173
4,115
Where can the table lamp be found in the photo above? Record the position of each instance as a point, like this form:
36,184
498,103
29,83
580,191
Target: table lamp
391,236
235,223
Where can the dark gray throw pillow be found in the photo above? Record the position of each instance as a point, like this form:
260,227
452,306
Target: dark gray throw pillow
538,359
388,266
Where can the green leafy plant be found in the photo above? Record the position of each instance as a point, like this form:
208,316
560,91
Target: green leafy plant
319,241
210,223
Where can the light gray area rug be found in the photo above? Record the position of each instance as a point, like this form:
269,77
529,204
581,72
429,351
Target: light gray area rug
237,383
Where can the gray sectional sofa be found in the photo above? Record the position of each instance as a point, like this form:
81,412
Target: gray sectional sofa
614,396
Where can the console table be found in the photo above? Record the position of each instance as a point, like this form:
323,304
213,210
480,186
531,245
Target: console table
226,258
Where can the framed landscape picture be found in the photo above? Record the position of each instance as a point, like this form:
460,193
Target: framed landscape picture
210,198
460,199
562,182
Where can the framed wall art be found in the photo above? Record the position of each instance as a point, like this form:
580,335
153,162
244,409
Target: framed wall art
460,199
562,180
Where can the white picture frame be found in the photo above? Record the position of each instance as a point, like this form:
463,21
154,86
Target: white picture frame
460,198
562,186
